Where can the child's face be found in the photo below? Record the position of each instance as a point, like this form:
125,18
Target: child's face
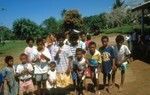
61,41
10,62
40,46
104,42
30,43
79,55
83,37
119,43
23,59
92,48
52,67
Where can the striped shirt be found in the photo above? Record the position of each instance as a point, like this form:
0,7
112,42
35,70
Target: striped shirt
62,61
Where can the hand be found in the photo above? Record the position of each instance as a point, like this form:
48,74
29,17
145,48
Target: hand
68,71
114,67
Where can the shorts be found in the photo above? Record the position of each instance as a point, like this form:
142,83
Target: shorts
40,77
123,66
26,86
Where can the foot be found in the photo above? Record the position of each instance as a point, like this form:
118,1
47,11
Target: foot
120,89
108,90
98,92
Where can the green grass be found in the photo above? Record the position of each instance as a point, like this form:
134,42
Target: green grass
13,48
124,29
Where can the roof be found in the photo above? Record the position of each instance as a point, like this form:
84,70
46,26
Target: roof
145,5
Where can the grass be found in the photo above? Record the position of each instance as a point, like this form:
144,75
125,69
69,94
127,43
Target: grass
13,48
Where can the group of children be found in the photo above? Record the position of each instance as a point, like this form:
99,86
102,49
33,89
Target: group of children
60,60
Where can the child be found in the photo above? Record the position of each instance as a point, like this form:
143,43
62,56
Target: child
122,53
82,41
79,65
30,50
63,59
24,72
88,40
107,60
94,60
41,65
8,74
52,77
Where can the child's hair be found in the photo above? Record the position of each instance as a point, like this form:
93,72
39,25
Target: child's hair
119,38
60,36
39,40
29,39
105,37
23,54
73,37
79,50
92,43
88,37
8,58
53,63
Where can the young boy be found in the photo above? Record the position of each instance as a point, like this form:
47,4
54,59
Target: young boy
52,77
122,54
94,60
24,72
9,75
30,50
79,65
107,60
63,59
41,65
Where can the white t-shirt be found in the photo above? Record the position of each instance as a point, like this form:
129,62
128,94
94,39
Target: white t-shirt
52,75
22,67
81,64
121,54
41,67
31,52
82,44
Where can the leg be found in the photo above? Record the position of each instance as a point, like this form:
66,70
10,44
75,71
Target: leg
113,77
104,79
109,82
122,78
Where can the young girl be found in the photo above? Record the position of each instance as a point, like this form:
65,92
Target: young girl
24,72
52,77
122,54
30,50
41,65
9,75
107,61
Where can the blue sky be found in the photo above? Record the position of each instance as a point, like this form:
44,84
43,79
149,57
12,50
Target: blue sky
38,10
